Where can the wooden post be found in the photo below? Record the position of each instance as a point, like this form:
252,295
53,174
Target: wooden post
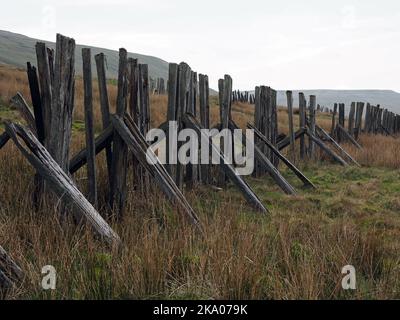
302,123
90,145
333,127
204,119
341,120
274,125
172,152
313,102
351,118
62,101
120,151
359,115
289,96
367,118
46,89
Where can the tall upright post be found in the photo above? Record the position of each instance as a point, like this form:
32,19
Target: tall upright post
90,143
313,103
120,150
204,93
351,118
302,120
341,120
289,96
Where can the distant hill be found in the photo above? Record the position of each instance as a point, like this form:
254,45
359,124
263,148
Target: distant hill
327,98
17,49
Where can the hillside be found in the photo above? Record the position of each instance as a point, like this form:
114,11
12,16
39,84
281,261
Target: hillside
17,49
386,98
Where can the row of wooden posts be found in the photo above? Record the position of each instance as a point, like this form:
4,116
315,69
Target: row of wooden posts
45,141
243,96
158,86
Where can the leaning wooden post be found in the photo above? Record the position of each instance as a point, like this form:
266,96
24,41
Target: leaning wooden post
302,123
62,101
313,103
90,145
289,96
120,151
104,105
351,118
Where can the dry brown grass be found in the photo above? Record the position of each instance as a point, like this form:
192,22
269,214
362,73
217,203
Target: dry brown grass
297,252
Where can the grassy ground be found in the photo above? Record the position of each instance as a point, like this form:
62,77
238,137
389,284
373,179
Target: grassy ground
296,252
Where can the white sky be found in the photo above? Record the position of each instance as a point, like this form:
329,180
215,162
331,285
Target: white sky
286,44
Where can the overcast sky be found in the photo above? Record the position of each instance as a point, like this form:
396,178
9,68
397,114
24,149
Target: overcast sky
285,44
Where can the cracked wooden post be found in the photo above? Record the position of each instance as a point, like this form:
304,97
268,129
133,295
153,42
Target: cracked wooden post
313,102
359,115
45,72
120,151
341,120
104,106
204,93
289,96
351,118
172,152
333,126
302,123
89,129
62,101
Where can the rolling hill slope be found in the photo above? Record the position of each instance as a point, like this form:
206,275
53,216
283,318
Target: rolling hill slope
17,49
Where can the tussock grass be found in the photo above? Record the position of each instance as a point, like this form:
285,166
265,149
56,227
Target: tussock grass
297,252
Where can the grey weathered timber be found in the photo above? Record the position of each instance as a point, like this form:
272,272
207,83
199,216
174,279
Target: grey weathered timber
58,181
336,145
204,93
36,101
334,113
313,103
348,136
289,96
104,105
302,123
184,76
296,171
19,103
131,135
351,118
274,124
341,121
133,109
323,147
367,118
10,272
45,72
62,101
120,151
4,137
359,115
284,143
172,115
225,112
229,170
89,130
103,141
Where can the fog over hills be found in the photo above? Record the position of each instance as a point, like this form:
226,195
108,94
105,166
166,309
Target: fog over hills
17,49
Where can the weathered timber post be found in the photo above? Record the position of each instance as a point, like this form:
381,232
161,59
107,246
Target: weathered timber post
46,88
313,102
302,123
274,125
225,111
359,115
192,173
367,118
104,106
351,118
341,120
289,96
333,127
62,101
172,151
204,93
120,151
90,145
